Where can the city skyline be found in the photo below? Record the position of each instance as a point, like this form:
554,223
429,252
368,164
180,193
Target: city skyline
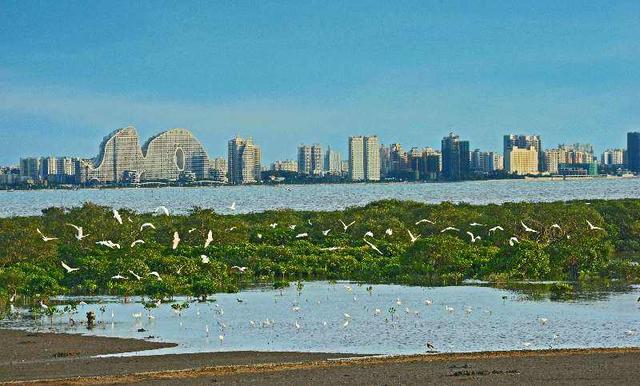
567,71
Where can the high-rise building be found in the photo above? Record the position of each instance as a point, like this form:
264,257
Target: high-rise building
364,158
567,154
30,168
218,168
333,162
385,161
612,157
523,161
432,160
455,157
356,158
243,161
372,158
484,162
310,159
633,151
512,141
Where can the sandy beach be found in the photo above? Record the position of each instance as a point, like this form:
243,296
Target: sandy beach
67,359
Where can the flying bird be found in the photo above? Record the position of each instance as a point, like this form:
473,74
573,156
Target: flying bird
239,269
556,226
232,206
447,229
176,240
368,234
474,238
162,209
108,244
372,246
209,239
133,244
79,232
593,227
496,228
425,220
389,232
345,226
67,268
118,277
116,215
331,249
138,277
413,238
273,225
475,224
147,225
513,241
45,238
326,232
527,229
205,259
430,346
156,274
292,227
309,222
302,235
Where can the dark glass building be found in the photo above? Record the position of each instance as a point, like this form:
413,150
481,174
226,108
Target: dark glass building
633,151
455,158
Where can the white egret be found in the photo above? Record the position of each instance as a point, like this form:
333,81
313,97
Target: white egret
449,309
116,215
273,225
209,239
221,338
292,227
79,232
239,269
43,306
108,244
133,244
372,246
231,229
232,206
259,235
543,321
309,222
176,240
138,277
191,230
425,220
447,229
326,232
527,229
593,227
475,224
147,225
398,302
368,234
346,226
389,232
331,249
556,226
156,274
118,277
67,268
376,312
302,235
413,238
204,259
428,302
474,238
496,228
513,241
45,238
346,323
162,209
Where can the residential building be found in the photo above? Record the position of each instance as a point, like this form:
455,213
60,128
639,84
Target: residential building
286,166
372,158
512,141
455,158
310,159
484,162
523,161
612,157
243,161
218,169
356,158
30,168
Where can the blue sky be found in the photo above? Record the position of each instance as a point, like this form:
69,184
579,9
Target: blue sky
287,72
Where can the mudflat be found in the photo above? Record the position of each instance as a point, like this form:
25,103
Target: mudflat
37,358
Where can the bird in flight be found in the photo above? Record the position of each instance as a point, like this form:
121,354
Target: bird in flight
209,239
232,206
326,232
474,238
302,235
496,228
79,232
67,268
593,227
176,240
527,229
138,277
118,277
425,220
273,225
389,232
368,234
147,225
447,229
162,209
45,238
372,246
413,238
239,269
475,224
133,244
513,241
116,215
156,274
204,259
345,226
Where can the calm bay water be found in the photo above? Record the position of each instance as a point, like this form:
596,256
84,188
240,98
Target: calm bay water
459,319
318,197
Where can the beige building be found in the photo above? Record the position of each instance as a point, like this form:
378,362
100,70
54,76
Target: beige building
356,158
310,159
364,158
523,161
243,161
285,165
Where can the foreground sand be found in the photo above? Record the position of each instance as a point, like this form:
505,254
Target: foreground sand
58,358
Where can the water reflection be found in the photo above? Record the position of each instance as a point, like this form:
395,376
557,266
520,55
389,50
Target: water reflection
386,319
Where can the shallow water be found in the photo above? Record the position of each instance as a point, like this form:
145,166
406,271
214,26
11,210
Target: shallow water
480,321
318,197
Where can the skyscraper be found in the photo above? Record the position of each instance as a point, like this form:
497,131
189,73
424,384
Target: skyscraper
372,158
633,151
310,159
526,142
356,158
333,162
243,161
455,157
364,158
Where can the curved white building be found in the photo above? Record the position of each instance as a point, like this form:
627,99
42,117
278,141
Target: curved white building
163,157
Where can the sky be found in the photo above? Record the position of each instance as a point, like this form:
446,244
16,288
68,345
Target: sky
292,72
